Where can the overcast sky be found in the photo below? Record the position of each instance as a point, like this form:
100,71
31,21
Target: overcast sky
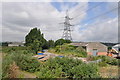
92,23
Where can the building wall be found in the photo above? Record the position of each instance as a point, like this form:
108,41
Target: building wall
14,45
102,53
101,48
99,53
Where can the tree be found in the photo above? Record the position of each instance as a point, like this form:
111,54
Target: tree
61,41
5,43
51,43
35,39
36,46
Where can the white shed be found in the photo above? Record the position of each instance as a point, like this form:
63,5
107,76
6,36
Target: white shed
116,48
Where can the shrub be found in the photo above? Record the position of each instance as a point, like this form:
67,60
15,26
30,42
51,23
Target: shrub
6,62
27,63
61,42
67,68
102,64
69,50
13,49
84,71
105,60
109,60
113,62
22,56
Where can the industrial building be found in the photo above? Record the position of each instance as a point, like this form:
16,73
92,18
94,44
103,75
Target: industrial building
16,44
92,48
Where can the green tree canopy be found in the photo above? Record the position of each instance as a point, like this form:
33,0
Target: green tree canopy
50,43
35,39
61,41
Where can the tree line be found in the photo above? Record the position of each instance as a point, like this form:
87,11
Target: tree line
35,39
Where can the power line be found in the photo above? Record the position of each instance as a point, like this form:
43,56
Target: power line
77,9
96,23
101,14
89,9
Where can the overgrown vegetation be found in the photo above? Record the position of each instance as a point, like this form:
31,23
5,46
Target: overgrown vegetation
53,68
7,61
50,43
26,62
106,60
69,50
61,42
67,68
21,56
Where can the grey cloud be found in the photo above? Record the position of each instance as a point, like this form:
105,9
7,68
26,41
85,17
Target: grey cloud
21,17
107,32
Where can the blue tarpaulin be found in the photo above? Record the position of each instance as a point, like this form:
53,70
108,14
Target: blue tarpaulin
60,56
40,54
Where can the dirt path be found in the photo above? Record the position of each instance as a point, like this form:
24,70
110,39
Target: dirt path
15,72
54,55
23,74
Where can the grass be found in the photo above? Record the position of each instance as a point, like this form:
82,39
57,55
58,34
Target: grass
24,74
0,63
109,71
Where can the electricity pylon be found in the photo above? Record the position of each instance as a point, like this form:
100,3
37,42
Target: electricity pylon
67,31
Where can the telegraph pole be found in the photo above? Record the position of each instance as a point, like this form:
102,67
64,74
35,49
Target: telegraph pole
67,31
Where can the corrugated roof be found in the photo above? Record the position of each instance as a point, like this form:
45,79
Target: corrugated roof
84,43
79,44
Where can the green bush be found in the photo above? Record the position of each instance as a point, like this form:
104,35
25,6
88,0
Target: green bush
102,64
13,49
69,50
105,60
113,62
23,58
27,62
67,68
52,68
109,60
61,42
6,62
84,71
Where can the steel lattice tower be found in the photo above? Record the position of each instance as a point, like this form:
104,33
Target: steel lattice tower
67,31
